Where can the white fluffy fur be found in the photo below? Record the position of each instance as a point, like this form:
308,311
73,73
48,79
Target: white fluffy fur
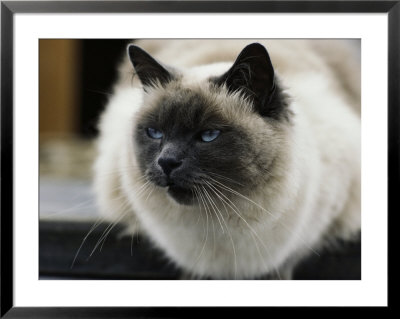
317,199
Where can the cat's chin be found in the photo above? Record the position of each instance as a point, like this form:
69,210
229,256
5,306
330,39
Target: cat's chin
182,196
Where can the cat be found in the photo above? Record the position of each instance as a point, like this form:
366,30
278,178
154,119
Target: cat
237,162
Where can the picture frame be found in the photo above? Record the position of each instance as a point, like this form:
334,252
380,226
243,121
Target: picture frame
10,8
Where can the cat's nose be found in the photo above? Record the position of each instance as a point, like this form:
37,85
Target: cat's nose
168,164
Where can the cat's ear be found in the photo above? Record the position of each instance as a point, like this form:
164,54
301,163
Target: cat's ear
253,75
149,71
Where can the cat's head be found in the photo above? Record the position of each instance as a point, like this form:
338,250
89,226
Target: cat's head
212,137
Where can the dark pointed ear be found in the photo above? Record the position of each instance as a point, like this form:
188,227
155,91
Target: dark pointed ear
252,74
149,71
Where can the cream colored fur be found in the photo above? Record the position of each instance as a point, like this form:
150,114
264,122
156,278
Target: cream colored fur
314,198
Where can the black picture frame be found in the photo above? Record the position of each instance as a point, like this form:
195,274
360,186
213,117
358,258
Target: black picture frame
9,8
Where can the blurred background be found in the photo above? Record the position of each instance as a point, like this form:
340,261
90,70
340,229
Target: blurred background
76,78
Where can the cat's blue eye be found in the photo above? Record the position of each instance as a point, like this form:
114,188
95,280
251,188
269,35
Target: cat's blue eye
153,133
209,135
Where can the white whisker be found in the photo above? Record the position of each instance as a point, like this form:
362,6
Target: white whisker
95,225
228,231
108,229
212,220
265,210
252,233
212,204
206,235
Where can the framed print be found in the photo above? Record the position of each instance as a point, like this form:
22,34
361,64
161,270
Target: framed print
157,160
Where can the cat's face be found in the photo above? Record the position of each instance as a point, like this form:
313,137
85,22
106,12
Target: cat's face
202,141
185,142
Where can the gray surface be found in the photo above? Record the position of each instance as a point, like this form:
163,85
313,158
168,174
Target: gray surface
70,250
66,199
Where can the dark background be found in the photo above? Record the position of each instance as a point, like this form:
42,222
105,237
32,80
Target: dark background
99,71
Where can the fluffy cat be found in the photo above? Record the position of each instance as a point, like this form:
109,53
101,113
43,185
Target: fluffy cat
235,161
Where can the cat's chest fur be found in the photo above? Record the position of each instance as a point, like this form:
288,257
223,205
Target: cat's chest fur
308,193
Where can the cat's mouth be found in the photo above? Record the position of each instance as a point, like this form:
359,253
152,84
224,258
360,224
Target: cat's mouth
180,194
179,189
